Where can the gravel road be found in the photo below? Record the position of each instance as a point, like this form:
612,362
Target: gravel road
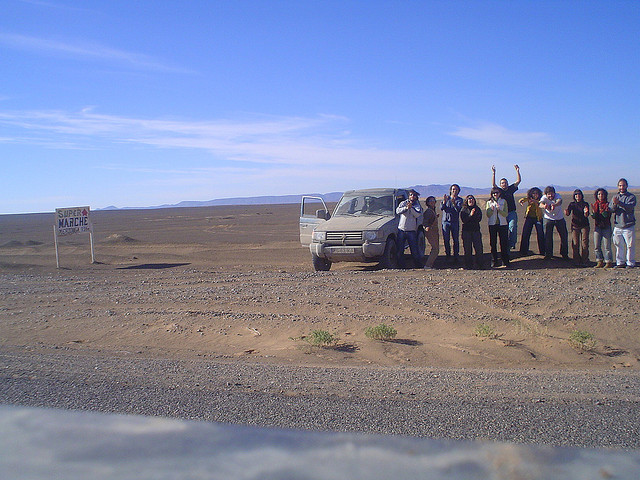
568,408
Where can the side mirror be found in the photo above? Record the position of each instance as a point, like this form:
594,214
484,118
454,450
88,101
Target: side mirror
323,214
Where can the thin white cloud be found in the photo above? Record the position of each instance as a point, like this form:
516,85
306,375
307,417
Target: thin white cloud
276,154
497,135
494,134
261,139
295,140
87,123
87,50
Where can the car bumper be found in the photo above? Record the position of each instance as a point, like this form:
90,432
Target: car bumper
366,252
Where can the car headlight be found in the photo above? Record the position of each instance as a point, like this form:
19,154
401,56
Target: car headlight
370,235
319,236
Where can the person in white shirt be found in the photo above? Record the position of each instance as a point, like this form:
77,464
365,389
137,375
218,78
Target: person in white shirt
553,216
497,211
410,212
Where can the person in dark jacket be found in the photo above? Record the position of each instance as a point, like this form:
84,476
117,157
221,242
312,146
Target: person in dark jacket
471,215
579,211
431,231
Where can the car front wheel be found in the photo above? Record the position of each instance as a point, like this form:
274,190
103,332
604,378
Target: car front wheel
390,256
320,264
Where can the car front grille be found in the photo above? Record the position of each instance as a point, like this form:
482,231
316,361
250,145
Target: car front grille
344,238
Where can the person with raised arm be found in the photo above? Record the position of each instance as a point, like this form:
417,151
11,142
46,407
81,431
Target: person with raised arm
507,194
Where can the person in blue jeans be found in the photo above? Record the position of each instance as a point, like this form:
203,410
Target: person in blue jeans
553,217
451,205
507,194
532,218
601,214
410,212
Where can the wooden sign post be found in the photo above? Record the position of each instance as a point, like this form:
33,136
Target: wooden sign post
70,221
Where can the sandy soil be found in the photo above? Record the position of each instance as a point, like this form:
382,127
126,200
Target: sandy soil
234,282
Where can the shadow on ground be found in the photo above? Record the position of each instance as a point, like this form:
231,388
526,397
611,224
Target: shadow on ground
405,341
346,347
153,266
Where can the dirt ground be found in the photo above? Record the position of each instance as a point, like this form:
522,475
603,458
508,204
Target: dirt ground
234,282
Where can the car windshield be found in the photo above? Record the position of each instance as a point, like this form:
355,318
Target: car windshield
363,204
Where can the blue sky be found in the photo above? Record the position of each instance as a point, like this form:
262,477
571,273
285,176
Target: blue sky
139,103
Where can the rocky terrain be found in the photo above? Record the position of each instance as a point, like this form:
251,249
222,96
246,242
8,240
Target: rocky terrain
188,307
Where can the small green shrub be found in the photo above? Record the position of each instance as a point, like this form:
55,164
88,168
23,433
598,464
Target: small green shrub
381,332
582,340
484,330
321,338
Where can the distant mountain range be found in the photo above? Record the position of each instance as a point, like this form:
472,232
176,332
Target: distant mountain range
424,191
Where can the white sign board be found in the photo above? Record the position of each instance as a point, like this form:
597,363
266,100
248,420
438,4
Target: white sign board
73,220
70,221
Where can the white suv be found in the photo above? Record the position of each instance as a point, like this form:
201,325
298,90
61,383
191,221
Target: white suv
362,228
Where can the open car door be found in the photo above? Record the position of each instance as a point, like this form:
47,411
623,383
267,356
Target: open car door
313,212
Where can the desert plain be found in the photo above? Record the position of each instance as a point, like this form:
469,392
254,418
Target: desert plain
234,283
205,313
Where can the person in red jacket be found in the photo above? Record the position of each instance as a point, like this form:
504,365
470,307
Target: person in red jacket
601,214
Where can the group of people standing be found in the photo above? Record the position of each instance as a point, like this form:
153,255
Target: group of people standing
544,212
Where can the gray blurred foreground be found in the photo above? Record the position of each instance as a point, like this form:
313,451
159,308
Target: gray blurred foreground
39,443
